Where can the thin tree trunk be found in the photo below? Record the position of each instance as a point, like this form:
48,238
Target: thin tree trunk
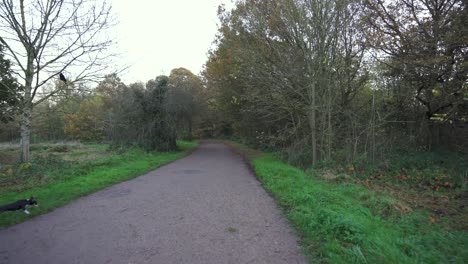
312,114
373,127
27,107
190,129
312,125
25,121
25,128
330,129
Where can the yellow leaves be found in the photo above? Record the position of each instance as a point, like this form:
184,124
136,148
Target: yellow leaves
402,208
25,166
234,100
10,170
71,127
6,171
83,124
435,92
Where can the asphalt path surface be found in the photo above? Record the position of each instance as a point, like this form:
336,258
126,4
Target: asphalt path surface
205,208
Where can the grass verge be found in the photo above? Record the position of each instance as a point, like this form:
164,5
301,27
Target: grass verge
343,222
81,178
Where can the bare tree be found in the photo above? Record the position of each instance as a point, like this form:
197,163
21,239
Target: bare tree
47,37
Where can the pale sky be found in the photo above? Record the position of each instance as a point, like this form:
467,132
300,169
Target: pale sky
155,36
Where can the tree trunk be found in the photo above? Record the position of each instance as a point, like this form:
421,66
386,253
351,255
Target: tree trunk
312,114
312,126
190,129
25,128
25,122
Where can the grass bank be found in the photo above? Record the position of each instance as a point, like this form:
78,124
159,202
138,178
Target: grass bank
341,221
55,181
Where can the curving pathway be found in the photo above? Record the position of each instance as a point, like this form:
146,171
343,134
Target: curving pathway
205,208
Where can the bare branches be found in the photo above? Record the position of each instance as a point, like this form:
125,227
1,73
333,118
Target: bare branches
61,35
50,37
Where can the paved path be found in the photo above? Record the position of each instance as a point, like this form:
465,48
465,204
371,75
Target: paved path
205,208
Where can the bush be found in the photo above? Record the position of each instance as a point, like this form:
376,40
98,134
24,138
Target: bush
59,148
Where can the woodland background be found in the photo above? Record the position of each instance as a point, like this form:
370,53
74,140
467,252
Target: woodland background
316,80
359,109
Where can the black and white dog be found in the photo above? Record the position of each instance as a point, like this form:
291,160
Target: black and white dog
19,205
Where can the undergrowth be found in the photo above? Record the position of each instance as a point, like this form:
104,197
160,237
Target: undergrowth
436,170
343,222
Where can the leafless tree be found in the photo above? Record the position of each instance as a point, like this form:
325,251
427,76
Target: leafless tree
47,37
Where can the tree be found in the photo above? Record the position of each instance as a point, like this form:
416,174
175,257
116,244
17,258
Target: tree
140,113
9,97
45,38
285,69
161,120
87,123
424,42
185,92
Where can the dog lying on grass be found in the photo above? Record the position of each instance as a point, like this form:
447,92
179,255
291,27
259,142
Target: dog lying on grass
19,205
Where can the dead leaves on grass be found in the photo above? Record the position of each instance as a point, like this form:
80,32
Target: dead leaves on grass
402,208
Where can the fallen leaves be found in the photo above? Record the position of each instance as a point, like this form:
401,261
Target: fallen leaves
402,177
402,208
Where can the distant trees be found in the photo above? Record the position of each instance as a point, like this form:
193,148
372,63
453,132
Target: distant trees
184,96
152,115
87,123
142,116
156,114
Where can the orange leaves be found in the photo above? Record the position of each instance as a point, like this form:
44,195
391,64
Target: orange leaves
440,182
366,183
402,177
432,219
350,169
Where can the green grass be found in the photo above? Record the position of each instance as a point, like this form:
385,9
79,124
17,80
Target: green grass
342,222
63,181
187,145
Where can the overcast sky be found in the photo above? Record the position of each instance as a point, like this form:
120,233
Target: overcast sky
156,36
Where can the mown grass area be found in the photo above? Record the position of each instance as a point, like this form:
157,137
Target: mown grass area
55,179
341,221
